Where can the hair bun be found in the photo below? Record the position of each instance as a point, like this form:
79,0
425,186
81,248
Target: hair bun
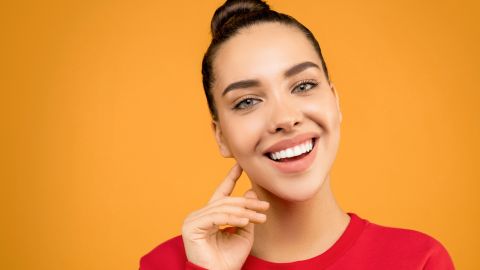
232,8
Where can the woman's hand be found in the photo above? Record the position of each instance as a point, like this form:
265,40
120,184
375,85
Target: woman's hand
208,246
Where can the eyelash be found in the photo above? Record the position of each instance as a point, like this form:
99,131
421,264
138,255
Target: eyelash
312,84
237,105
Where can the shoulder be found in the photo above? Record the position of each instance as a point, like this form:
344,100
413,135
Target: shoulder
403,237
168,255
411,247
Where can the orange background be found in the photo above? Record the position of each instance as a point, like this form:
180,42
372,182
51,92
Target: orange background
106,141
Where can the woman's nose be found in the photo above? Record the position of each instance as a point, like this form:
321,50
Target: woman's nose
285,117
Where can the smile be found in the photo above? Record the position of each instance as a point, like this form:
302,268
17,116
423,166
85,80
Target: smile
292,152
296,159
293,155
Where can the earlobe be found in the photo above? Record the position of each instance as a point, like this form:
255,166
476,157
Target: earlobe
217,132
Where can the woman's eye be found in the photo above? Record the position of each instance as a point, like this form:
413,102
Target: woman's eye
305,86
246,103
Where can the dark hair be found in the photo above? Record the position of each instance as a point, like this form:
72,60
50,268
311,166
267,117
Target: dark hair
234,15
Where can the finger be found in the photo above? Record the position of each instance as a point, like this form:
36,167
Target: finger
248,230
252,197
250,194
214,220
249,203
253,216
226,187
246,203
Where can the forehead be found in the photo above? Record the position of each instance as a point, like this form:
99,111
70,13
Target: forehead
264,50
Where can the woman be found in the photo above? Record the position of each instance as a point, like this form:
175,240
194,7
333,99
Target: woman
275,110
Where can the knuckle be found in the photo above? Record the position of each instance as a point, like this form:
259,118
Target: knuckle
217,215
239,201
185,228
218,201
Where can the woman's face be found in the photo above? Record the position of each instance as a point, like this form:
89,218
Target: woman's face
271,95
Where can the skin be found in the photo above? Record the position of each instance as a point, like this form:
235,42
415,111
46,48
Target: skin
302,218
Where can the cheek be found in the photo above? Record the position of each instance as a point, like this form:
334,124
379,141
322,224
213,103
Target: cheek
244,133
323,111
326,116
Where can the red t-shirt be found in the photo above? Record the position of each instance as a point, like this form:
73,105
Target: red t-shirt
363,245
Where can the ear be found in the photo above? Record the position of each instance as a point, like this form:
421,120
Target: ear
217,132
332,86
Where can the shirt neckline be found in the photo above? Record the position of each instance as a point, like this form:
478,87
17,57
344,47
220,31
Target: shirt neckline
340,247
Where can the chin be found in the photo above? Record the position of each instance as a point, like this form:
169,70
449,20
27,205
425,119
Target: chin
300,189
297,195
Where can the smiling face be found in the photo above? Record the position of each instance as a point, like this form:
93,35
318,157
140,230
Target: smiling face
272,95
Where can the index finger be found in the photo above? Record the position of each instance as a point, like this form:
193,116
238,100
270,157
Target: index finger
226,187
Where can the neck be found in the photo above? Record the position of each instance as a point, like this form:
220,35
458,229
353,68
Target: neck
299,230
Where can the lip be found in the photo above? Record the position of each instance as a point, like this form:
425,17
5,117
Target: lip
299,165
291,142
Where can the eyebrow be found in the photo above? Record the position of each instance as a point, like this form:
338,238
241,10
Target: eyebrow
252,83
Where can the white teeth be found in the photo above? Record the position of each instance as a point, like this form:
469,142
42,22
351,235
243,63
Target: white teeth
293,151
297,150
